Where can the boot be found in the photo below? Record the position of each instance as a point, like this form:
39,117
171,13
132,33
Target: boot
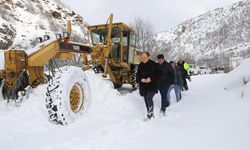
150,115
163,111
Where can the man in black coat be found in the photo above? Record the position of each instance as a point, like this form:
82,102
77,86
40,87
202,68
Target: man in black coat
147,78
166,78
184,74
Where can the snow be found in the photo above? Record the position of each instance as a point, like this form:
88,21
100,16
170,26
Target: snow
200,37
1,60
2,40
208,118
237,76
39,46
31,19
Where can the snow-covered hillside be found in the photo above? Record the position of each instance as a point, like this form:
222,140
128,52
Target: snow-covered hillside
22,21
213,115
220,33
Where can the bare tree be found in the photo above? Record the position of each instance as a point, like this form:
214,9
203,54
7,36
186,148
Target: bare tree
144,34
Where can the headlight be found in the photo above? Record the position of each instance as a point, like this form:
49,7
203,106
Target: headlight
46,37
39,40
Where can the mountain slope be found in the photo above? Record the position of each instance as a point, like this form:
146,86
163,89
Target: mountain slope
223,32
21,21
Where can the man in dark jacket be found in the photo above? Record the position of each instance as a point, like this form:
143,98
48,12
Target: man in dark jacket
184,73
146,77
165,80
177,82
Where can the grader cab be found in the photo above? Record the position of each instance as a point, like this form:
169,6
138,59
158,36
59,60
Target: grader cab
120,56
111,51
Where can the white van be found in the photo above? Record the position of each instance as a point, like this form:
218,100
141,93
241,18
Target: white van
204,70
198,70
194,69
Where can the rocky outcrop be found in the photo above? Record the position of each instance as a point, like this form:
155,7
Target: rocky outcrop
7,34
56,15
35,18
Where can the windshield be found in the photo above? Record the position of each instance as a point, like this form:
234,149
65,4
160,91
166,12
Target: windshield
132,39
115,52
100,36
131,47
95,38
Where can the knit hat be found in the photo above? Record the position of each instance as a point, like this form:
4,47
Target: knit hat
160,56
171,62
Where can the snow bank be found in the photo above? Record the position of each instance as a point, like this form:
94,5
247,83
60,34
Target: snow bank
207,118
106,100
29,118
1,60
39,46
237,76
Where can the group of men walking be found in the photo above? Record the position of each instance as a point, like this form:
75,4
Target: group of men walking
163,77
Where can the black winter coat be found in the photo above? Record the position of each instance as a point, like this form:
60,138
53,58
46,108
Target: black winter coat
145,70
167,75
178,77
183,71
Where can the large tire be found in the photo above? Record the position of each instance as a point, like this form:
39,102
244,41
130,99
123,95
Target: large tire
17,92
134,73
118,85
1,88
67,96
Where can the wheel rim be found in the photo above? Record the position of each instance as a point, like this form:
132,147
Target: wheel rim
76,98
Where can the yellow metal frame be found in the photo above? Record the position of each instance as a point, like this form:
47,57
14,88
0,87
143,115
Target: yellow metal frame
106,50
99,53
41,57
76,98
118,25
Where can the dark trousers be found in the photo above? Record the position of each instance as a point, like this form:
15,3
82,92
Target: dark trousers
164,96
185,85
148,97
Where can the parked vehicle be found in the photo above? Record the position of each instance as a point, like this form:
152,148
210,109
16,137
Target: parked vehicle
204,70
198,70
217,70
111,51
194,69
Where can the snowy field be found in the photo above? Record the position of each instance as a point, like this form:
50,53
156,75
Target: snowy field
213,115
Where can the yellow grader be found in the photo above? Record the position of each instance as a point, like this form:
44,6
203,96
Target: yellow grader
111,51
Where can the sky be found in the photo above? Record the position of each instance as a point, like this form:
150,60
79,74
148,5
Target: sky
162,14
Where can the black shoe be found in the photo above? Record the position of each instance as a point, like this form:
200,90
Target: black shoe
163,109
163,113
150,115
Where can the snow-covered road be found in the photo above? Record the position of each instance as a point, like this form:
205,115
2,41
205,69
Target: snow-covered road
209,117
